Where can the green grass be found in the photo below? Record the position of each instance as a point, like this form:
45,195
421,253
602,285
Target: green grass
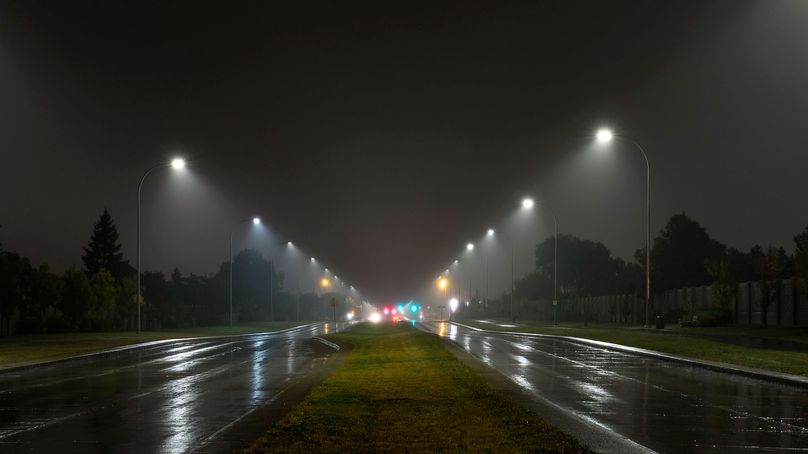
401,390
36,347
798,335
681,341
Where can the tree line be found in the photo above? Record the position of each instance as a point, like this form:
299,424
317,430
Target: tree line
102,295
683,255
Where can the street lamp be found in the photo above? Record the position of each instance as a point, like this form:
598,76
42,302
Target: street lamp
443,283
606,136
470,247
555,253
255,221
490,234
176,164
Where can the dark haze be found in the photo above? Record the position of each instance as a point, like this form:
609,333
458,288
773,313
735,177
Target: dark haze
381,137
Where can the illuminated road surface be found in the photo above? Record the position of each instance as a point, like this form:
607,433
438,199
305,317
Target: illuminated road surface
171,398
664,406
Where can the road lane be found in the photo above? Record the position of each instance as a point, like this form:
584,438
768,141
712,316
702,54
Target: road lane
664,406
169,398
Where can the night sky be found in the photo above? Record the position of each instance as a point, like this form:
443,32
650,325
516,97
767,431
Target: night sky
381,137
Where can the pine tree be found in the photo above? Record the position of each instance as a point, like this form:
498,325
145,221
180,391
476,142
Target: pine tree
104,250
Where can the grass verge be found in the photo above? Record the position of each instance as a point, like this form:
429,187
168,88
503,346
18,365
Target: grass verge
40,347
683,342
400,390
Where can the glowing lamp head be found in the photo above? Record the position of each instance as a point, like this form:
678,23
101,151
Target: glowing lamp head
490,232
604,135
324,282
288,243
470,247
527,203
178,163
312,259
443,283
256,221
456,261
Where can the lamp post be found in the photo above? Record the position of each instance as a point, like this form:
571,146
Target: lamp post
528,204
272,282
443,285
606,136
489,234
176,164
325,283
469,248
255,221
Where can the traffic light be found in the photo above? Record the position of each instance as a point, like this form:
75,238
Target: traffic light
414,308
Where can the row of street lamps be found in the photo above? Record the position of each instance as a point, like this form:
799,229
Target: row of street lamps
602,136
526,204
179,164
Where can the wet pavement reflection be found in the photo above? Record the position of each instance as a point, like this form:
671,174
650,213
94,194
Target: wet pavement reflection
169,398
664,406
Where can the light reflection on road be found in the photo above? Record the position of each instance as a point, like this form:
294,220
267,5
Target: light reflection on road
668,407
168,398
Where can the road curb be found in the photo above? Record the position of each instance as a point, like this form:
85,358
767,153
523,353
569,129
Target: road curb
123,348
787,379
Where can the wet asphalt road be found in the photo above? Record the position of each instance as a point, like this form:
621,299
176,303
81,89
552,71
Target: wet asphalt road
169,398
664,406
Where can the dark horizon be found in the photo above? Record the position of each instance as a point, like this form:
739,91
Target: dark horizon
382,138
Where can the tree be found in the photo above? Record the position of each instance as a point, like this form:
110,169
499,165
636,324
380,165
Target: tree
585,268
76,297
155,298
126,301
724,284
102,302
680,253
15,272
769,269
801,256
44,290
251,285
104,250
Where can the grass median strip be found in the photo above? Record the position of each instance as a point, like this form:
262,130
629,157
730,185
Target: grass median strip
682,343
400,390
40,347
